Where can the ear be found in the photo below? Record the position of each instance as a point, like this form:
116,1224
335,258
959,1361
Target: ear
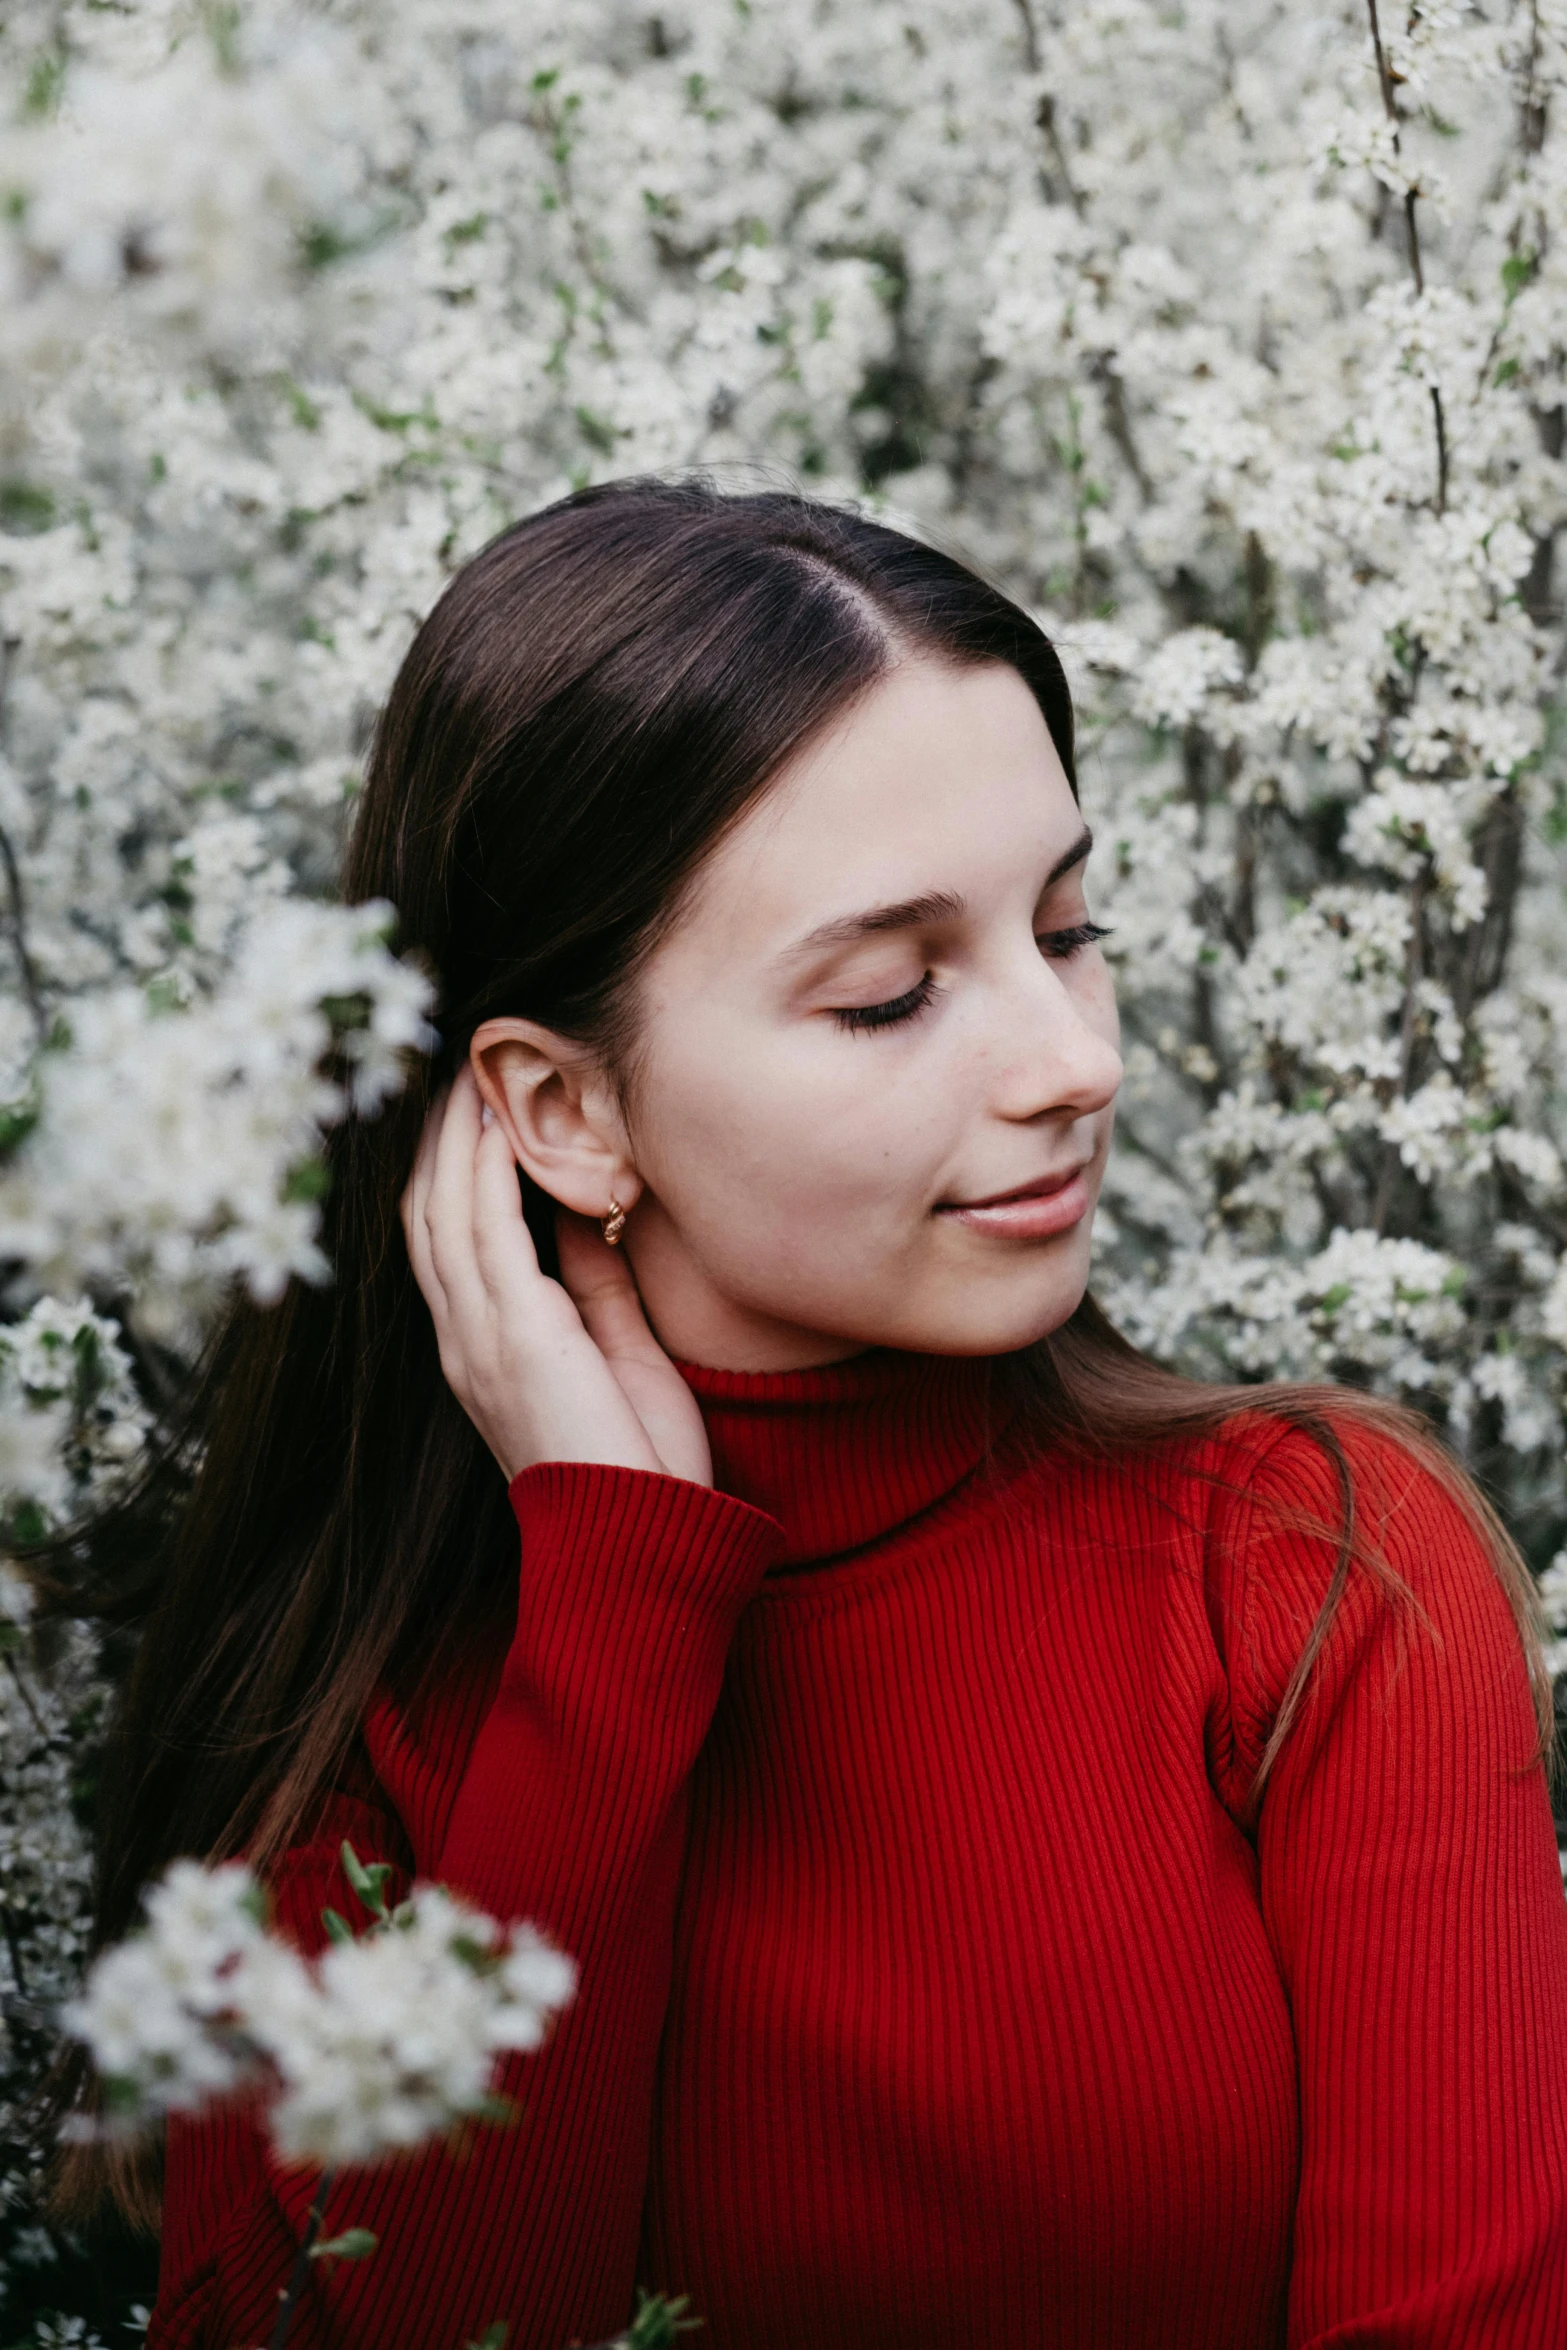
559,1112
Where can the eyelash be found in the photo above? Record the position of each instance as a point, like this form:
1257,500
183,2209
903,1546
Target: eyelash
1061,945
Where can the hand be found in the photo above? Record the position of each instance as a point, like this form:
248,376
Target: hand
546,1370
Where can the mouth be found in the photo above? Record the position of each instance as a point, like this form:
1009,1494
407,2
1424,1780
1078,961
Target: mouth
1030,1211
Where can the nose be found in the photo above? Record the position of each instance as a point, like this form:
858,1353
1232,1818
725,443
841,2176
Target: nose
1057,1050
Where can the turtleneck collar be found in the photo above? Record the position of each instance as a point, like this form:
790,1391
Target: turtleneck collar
842,1455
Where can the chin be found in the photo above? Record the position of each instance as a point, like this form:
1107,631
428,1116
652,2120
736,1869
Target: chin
999,1326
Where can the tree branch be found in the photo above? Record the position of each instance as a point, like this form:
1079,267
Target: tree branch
288,2299
1411,197
31,986
1414,971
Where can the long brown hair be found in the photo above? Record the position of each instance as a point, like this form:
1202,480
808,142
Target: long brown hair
594,699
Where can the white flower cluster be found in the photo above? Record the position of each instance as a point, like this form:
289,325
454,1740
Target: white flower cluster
51,1696
176,1143
383,2042
53,1699
71,1416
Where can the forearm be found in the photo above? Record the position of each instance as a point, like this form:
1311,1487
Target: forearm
569,1811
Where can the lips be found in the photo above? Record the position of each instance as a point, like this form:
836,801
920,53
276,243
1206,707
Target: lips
1042,1187
1042,1210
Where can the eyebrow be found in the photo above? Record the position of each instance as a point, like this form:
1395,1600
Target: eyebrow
942,905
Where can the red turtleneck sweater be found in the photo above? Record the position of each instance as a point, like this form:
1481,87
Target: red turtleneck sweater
937,1988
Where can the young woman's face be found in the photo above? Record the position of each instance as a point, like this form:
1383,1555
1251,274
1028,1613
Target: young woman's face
877,1056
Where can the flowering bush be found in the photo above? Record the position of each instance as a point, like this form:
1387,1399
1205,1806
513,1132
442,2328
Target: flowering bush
1230,338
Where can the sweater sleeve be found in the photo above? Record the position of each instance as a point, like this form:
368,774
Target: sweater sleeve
567,1808
1411,1889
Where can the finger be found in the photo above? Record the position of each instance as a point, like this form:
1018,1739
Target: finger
415,1195
502,1244
599,1281
412,1200
452,1152
448,1205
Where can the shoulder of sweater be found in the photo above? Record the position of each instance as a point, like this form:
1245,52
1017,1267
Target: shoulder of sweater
1421,1593
1256,1467
1291,1491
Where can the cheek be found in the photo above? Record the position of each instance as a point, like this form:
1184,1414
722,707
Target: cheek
817,1131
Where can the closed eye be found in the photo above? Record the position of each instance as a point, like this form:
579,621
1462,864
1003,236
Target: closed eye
1061,945
888,1015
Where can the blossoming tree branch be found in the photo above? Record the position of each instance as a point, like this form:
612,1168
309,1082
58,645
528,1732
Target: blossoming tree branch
388,2041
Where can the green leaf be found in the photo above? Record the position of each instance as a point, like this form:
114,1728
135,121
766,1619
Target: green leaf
1517,270
166,995
493,2337
391,419
222,20
44,84
337,1926
352,2244
24,508
321,244
307,1179
16,1123
346,1012
120,2093
367,1879
504,2112
658,2321
597,431
28,1523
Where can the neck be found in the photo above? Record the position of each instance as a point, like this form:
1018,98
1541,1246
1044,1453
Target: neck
694,1323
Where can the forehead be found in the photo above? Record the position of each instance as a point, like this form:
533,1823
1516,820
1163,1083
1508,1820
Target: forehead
939,779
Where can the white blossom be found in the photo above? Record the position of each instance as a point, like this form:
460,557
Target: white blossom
171,1129
382,2042
72,1420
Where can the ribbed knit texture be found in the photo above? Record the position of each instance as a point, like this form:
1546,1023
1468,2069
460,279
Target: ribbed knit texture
939,1988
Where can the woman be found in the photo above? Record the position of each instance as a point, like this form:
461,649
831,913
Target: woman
1054,1853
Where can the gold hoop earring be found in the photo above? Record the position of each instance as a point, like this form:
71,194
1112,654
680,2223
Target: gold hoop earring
614,1224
